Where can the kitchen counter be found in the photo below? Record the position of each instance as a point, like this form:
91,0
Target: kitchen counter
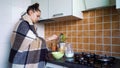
63,62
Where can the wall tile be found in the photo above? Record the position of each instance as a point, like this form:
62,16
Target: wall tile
107,41
107,19
99,12
99,19
107,33
107,48
116,41
116,49
98,32
115,17
107,11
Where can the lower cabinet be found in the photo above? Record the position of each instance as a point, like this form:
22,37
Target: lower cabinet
51,65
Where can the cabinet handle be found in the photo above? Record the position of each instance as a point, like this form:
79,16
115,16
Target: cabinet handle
59,14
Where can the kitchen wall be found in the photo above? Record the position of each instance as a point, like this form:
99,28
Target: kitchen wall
98,32
10,13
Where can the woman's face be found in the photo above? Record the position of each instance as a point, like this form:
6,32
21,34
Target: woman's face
35,16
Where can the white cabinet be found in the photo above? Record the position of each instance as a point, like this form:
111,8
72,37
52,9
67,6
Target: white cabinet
60,9
92,4
50,65
118,4
43,5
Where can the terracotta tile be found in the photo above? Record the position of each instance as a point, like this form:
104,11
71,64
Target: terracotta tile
99,27
80,50
107,48
107,53
99,52
74,49
99,19
80,40
85,50
63,28
68,40
99,33
107,26
115,25
85,14
115,17
92,13
73,28
74,33
85,40
99,48
85,27
69,27
106,19
74,45
92,20
56,28
116,49
92,33
93,52
74,40
107,33
92,40
107,11
116,41
99,12
80,33
92,26
85,21
80,27
86,46
114,10
116,33
107,40
85,33
80,46
92,46
116,55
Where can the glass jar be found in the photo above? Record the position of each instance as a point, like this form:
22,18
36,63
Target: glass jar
69,50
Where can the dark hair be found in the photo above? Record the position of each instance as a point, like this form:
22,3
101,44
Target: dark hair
34,7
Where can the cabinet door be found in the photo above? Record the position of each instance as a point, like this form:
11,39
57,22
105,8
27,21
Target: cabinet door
43,7
58,8
90,4
117,4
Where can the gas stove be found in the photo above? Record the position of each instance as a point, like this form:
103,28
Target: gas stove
92,60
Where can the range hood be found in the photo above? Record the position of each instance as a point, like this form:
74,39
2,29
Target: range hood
58,19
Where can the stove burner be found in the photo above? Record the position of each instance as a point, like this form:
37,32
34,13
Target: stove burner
92,60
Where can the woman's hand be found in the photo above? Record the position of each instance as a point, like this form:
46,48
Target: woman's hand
53,37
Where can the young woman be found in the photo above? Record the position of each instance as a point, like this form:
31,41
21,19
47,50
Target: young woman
28,49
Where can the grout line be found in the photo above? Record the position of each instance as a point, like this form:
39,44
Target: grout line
95,31
111,32
103,33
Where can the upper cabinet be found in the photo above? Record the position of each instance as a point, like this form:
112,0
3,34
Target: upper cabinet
93,4
117,4
43,7
60,10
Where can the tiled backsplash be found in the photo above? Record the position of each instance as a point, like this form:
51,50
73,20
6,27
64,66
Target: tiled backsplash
98,32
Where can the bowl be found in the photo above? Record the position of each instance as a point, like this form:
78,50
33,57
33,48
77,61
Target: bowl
57,55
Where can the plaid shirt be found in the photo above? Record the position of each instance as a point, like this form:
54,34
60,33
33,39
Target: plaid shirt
27,49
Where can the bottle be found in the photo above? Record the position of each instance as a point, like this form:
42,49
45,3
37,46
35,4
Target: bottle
61,42
53,47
